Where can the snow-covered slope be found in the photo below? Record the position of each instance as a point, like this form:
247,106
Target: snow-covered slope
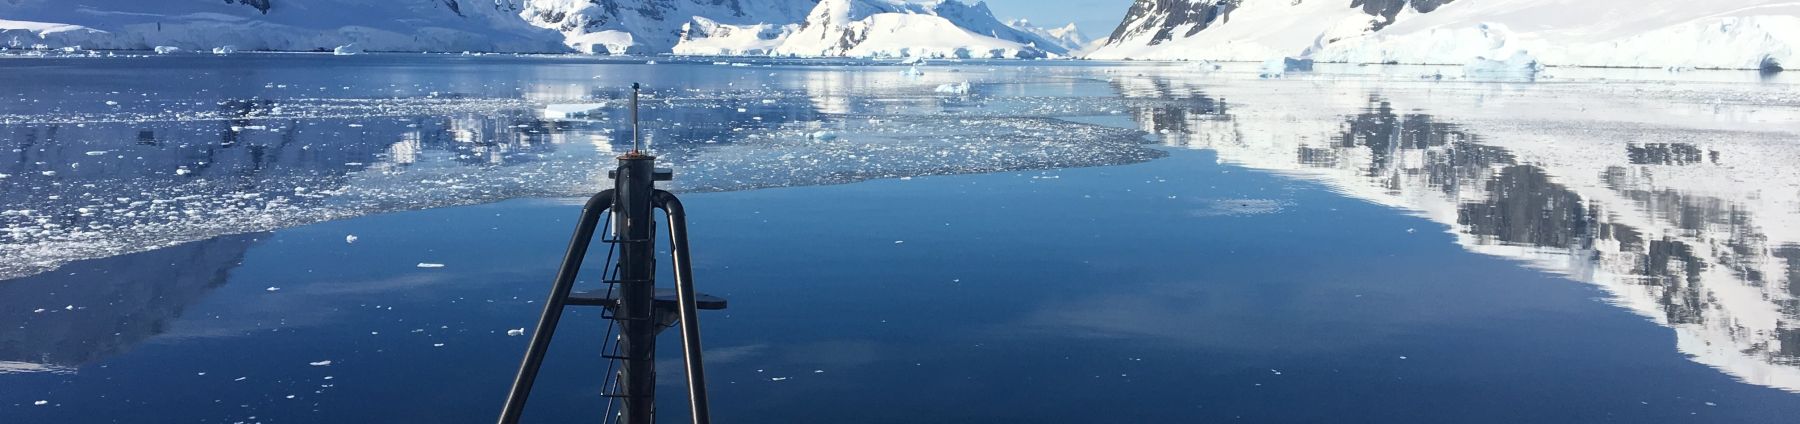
873,28
1742,34
201,25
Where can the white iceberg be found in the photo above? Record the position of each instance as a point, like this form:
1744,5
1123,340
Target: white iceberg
959,89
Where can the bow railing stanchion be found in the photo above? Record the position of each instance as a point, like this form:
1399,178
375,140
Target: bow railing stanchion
638,308
685,300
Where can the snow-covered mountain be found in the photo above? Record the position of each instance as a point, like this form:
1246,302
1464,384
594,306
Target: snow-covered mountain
873,28
380,25
1741,34
1067,37
861,28
655,26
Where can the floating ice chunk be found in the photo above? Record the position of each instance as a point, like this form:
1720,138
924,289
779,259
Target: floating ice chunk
226,49
1205,66
320,363
96,153
430,265
1520,64
913,60
516,332
41,403
823,135
112,103
347,50
183,171
912,72
572,110
350,239
167,50
273,289
959,89
1279,67
778,378
437,345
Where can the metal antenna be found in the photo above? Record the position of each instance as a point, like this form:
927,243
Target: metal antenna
637,307
635,140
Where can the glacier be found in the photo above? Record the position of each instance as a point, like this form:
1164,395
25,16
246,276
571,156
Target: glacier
1720,34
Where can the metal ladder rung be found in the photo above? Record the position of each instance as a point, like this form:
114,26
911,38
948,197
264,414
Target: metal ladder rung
617,318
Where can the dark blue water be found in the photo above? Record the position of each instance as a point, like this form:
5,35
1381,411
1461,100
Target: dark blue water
1370,260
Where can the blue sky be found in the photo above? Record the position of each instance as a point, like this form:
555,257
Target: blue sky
1095,17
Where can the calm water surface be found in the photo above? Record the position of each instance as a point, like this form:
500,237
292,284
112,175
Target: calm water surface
1070,243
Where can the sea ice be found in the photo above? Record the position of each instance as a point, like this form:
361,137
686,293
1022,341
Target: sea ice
430,265
167,50
1521,64
350,239
572,110
959,89
320,363
227,49
347,50
516,332
912,72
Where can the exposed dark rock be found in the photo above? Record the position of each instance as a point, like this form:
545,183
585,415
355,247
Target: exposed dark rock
260,5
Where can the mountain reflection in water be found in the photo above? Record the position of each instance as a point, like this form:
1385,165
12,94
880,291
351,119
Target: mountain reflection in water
1716,266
